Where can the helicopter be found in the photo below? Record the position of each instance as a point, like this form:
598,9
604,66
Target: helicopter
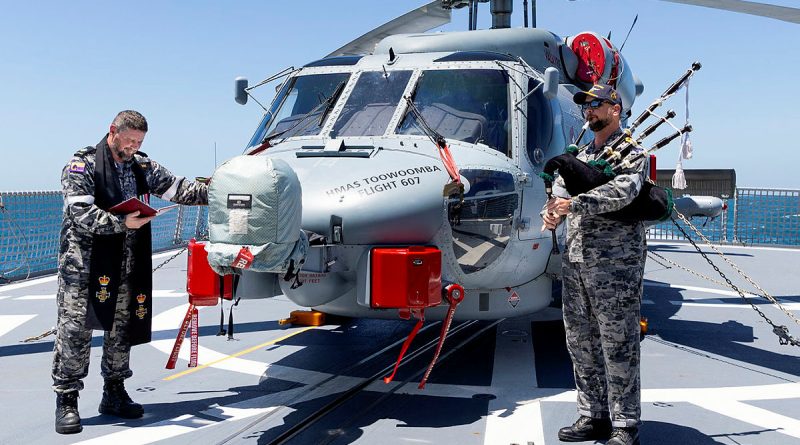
359,128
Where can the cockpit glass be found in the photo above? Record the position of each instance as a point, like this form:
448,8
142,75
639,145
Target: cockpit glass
299,106
466,105
371,104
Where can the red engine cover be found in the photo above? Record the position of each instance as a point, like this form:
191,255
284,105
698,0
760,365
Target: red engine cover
202,283
406,277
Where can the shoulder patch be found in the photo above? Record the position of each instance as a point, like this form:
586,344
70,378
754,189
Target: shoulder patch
85,151
77,167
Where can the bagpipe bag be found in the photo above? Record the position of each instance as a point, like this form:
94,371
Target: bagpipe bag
653,203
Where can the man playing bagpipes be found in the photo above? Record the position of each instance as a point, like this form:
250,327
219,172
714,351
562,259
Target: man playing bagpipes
602,283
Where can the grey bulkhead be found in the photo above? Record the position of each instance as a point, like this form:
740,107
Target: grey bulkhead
394,197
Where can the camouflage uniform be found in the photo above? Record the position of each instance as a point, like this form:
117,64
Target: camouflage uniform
82,220
602,275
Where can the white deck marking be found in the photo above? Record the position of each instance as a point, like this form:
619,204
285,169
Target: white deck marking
753,415
716,302
722,247
172,318
28,283
9,322
702,289
187,423
727,401
24,284
169,293
513,376
37,297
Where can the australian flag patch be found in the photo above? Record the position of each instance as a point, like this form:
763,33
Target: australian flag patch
77,167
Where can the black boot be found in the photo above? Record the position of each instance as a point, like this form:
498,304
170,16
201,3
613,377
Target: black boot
68,421
624,436
116,401
586,428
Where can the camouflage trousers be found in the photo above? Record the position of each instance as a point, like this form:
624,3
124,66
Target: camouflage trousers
602,307
74,340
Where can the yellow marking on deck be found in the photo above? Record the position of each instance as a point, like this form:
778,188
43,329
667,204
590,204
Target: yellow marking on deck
238,354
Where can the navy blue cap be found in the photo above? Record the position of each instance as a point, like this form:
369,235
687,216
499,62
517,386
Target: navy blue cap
603,92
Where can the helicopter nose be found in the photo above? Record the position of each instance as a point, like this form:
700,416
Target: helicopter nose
394,197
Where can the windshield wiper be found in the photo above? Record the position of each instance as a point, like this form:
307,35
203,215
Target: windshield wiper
331,100
327,103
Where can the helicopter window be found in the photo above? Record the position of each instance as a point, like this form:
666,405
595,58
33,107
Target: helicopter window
335,61
482,182
290,113
540,123
482,222
466,105
468,56
371,104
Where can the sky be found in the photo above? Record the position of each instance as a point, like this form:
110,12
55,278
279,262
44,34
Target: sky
67,68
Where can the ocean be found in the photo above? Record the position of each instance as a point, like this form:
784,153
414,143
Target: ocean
30,224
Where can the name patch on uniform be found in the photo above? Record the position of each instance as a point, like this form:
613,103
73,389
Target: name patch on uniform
240,201
77,167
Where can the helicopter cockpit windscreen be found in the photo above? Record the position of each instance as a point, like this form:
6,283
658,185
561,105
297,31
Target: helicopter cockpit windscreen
469,105
301,106
371,104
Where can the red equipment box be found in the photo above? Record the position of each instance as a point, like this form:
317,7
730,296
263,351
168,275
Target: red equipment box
406,277
202,283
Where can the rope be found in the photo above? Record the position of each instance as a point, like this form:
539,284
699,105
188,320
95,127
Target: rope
781,331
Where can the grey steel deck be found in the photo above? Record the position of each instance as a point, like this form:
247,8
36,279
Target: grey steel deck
712,371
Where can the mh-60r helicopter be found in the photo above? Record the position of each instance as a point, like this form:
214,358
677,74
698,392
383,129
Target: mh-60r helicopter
360,129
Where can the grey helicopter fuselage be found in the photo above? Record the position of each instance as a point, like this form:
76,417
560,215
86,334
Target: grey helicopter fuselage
371,176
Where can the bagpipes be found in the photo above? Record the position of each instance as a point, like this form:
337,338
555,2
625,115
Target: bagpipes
653,203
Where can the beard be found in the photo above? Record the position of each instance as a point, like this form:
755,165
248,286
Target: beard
599,124
119,152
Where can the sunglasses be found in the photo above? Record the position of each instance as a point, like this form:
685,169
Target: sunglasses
596,103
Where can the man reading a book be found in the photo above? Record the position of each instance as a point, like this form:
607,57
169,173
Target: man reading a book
104,264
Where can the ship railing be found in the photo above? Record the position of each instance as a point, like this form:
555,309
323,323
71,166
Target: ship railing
754,217
30,223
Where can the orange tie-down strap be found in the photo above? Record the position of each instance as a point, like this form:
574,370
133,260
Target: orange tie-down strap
190,320
455,294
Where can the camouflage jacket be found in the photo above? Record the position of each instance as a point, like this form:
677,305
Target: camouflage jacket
594,238
82,219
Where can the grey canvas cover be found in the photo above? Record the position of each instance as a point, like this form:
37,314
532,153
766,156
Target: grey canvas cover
255,202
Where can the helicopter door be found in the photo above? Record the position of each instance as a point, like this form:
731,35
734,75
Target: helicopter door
482,225
540,125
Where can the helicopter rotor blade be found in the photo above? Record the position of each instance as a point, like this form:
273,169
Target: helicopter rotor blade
785,13
421,19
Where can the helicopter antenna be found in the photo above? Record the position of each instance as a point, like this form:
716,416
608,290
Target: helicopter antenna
525,10
629,32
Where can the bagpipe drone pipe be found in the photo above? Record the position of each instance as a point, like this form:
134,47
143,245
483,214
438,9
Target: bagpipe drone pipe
621,156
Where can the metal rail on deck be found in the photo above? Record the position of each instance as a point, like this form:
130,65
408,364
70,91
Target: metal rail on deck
30,223
755,217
